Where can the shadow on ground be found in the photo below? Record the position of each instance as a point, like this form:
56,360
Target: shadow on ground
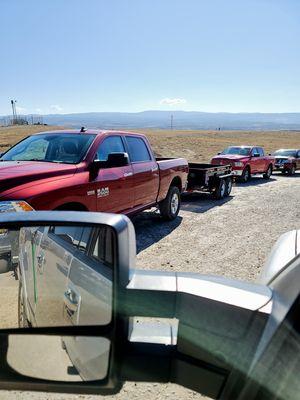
201,202
255,181
150,228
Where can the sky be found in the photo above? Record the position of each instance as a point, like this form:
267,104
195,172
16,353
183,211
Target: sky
69,56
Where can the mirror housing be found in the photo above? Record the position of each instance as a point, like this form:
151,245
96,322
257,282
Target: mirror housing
114,160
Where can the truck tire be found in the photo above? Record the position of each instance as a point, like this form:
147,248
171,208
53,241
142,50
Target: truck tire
170,206
268,172
292,170
220,190
22,317
228,183
246,175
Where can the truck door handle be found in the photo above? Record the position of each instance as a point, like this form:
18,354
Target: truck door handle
71,300
154,169
127,174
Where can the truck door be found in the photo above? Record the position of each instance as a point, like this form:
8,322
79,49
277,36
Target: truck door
262,162
255,161
113,187
90,280
145,171
53,260
298,159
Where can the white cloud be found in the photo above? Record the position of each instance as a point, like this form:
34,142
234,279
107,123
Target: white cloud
20,110
39,110
56,107
172,102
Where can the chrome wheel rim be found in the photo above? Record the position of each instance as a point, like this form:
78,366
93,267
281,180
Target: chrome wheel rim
246,175
174,203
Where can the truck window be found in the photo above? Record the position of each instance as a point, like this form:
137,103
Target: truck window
69,234
112,144
261,152
103,250
138,151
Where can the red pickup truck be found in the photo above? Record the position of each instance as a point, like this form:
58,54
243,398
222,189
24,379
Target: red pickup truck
246,161
91,170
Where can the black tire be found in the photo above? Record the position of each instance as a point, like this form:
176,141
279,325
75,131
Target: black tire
246,175
22,317
268,173
228,182
170,206
220,191
292,170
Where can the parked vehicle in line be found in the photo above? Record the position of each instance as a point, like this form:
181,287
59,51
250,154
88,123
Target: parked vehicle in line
287,160
246,161
208,178
92,170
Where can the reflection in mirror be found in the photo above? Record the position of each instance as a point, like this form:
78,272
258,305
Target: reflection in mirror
55,358
56,276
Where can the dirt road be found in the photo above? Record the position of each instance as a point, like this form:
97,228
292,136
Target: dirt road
230,237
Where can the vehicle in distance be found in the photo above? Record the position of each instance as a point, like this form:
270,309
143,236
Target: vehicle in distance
246,161
92,170
287,160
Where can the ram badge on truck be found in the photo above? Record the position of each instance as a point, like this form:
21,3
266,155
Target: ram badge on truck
92,170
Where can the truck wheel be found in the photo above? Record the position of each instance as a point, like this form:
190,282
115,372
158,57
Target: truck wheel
246,175
268,173
292,170
22,317
228,183
170,206
220,191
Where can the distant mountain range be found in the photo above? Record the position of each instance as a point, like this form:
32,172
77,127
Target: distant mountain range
181,120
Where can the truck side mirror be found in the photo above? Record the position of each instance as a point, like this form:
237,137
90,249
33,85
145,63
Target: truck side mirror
117,160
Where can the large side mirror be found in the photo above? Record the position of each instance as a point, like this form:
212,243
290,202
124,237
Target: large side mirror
71,271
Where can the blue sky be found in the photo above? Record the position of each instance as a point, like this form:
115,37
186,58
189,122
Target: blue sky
133,55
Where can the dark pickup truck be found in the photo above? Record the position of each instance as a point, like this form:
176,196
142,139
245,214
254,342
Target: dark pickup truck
92,170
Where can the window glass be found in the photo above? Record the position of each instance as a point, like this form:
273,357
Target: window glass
260,151
112,144
241,151
254,150
70,234
60,148
104,245
138,150
86,234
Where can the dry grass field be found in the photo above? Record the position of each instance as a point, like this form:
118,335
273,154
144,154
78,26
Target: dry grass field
193,145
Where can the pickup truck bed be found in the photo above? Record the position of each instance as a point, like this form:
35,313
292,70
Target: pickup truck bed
214,179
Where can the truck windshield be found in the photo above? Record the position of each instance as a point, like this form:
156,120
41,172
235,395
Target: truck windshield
59,148
241,151
285,153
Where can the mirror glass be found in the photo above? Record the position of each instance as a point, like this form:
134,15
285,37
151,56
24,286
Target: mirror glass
56,275
56,358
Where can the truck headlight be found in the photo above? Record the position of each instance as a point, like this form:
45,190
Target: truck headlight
238,164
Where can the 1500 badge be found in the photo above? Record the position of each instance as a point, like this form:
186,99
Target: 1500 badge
103,192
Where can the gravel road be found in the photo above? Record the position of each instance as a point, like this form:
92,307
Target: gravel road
229,237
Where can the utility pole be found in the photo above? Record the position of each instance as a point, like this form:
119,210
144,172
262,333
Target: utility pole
14,111
171,122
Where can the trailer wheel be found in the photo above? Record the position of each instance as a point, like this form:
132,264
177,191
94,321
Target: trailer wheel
228,182
220,190
170,206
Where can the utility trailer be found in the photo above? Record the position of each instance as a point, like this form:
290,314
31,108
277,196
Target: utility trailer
208,178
